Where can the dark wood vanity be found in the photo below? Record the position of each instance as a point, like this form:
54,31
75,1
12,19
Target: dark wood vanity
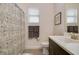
55,49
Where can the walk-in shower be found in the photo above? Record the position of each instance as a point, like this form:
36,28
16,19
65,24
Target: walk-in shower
11,29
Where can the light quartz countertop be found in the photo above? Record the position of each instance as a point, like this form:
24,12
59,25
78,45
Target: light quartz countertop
69,45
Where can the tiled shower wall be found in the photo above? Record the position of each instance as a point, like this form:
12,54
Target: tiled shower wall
11,29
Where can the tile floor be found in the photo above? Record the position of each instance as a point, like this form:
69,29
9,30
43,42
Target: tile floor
34,52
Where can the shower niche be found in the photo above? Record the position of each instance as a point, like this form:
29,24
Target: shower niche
11,29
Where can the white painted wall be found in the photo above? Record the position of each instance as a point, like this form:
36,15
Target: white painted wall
46,20
59,29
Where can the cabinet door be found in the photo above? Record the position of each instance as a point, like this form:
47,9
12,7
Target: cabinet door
50,49
55,49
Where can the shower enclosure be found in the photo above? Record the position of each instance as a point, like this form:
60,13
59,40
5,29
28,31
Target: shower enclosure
12,27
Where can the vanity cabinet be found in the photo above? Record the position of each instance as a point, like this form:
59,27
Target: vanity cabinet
55,49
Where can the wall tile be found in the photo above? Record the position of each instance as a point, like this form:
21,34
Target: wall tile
11,29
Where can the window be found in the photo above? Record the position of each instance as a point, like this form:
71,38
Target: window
33,18
33,15
71,16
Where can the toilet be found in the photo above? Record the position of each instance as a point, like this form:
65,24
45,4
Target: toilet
45,46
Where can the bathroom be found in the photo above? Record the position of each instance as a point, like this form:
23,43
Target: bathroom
45,20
